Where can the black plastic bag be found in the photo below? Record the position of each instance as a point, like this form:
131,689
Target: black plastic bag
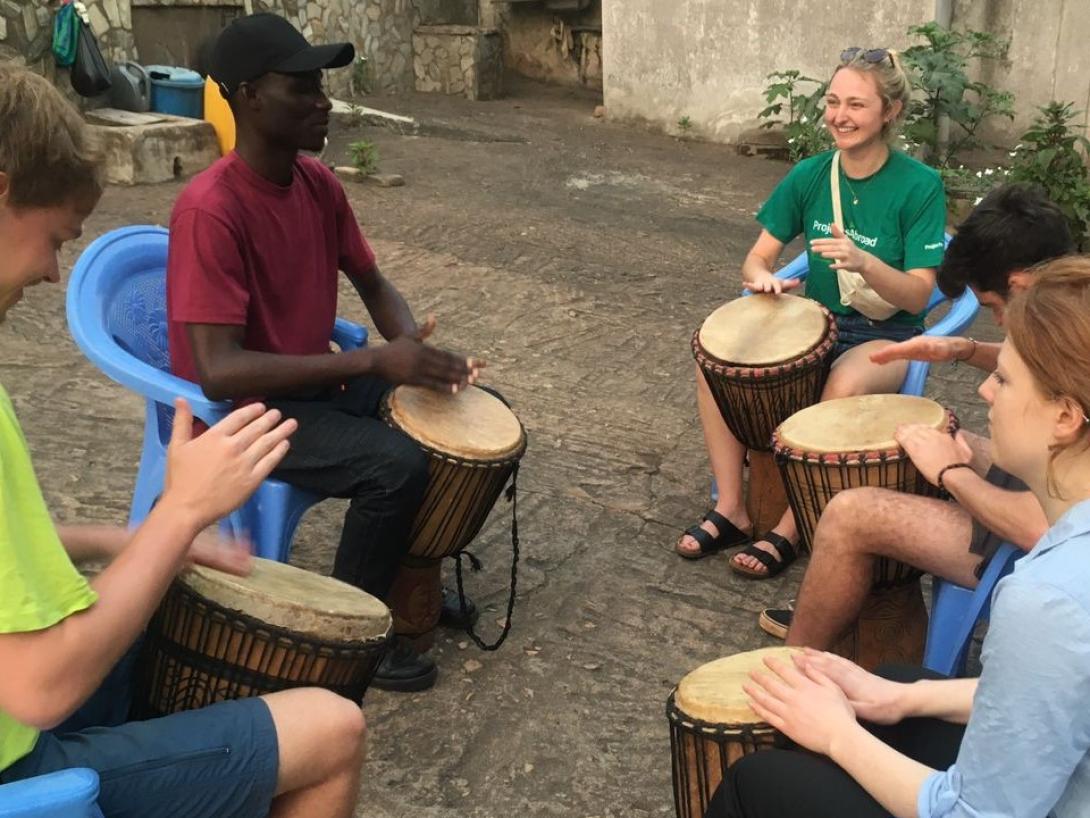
90,74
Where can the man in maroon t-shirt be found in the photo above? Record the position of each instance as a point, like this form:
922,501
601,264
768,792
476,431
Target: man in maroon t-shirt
255,245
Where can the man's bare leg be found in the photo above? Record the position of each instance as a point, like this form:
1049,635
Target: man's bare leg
861,525
853,373
321,737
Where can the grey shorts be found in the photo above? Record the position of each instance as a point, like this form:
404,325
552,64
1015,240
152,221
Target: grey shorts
217,762
984,542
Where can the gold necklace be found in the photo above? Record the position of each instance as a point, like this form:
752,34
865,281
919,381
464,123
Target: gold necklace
855,196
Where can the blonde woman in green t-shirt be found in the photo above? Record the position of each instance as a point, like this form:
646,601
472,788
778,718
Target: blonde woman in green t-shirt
894,214
297,752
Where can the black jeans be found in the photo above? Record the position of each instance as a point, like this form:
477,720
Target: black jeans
795,784
343,449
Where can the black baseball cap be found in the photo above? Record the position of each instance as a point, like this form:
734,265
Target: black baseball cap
255,45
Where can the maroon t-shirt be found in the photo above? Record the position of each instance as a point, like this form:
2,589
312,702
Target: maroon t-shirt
247,252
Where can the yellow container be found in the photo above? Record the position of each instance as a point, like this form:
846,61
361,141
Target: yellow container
218,112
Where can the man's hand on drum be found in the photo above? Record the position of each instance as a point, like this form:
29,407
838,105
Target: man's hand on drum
873,698
929,348
212,549
801,702
408,360
842,251
932,450
768,283
211,475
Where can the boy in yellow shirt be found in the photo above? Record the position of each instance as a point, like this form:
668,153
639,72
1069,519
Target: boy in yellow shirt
294,753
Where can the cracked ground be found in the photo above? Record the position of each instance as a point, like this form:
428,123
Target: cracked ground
577,256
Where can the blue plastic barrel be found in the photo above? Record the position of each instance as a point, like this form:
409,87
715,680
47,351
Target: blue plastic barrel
177,91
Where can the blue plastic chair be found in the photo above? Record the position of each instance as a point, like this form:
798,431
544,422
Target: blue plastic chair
955,612
63,794
117,315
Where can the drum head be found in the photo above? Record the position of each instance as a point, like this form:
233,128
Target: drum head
713,692
295,600
864,423
472,425
761,330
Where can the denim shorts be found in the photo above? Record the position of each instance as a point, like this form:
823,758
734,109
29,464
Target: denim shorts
856,329
220,761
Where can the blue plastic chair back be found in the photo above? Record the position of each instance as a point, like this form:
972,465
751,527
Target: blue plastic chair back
63,794
116,309
955,612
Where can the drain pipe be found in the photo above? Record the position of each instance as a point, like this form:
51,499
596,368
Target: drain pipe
944,16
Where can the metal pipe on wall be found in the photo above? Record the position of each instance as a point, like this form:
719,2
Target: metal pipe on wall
944,16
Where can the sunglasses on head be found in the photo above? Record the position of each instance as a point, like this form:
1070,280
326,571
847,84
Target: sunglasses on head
871,55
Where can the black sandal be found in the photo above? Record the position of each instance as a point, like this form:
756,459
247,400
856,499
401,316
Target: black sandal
774,566
730,536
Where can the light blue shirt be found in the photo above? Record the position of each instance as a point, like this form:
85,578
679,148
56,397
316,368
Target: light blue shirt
1026,750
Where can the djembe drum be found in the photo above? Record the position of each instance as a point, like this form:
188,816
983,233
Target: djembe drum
712,726
764,357
474,443
218,636
848,443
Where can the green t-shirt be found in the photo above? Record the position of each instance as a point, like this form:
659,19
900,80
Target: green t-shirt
39,586
900,218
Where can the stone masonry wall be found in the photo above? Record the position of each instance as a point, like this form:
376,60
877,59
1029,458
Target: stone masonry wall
381,30
458,60
26,34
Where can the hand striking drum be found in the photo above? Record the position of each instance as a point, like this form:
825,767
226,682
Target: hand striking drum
847,443
764,357
474,443
712,726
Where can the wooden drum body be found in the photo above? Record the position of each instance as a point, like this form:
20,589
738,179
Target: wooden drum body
848,443
764,357
216,636
474,443
712,726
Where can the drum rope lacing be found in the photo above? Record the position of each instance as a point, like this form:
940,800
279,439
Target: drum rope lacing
512,497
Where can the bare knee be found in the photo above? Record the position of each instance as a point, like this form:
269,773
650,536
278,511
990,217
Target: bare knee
844,382
347,725
848,522
320,734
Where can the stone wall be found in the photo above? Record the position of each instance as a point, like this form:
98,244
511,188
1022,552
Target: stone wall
458,60
381,30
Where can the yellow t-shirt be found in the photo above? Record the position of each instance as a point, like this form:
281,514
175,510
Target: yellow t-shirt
39,586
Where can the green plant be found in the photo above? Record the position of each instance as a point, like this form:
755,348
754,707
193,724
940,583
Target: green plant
364,156
804,126
685,124
1052,154
362,76
938,70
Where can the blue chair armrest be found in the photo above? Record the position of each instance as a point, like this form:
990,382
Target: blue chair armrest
63,794
799,267
152,383
958,318
347,335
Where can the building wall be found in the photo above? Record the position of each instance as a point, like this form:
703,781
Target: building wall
708,59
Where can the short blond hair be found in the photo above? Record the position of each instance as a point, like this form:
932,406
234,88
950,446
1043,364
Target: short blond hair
46,150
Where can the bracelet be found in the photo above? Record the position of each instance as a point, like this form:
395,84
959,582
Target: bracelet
938,481
972,351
